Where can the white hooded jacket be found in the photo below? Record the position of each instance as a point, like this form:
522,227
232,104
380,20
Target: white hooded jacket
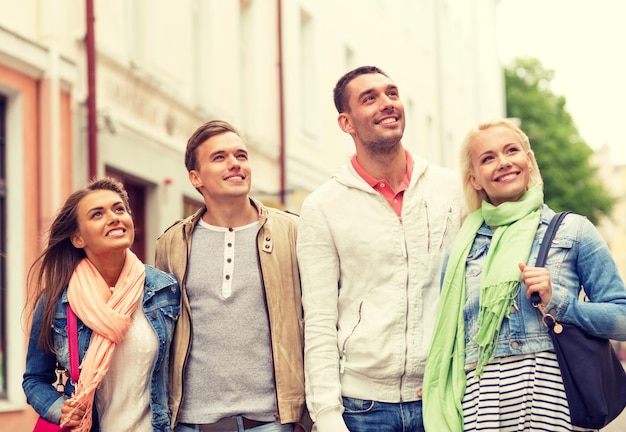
370,283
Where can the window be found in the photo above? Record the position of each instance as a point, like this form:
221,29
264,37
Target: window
308,75
3,195
248,45
190,206
135,30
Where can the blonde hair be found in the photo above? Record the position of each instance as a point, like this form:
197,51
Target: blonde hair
473,197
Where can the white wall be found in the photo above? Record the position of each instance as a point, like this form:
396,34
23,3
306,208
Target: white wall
164,67
441,54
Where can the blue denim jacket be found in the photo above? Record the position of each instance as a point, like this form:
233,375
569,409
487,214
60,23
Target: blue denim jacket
579,258
161,304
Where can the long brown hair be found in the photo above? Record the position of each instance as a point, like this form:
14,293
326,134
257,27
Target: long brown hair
51,271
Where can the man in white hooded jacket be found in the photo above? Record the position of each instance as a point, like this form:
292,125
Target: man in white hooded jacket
371,243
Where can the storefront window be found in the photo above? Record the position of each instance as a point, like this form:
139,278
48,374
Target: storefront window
190,206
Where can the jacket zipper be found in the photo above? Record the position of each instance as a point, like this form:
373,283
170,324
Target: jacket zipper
343,358
445,228
427,227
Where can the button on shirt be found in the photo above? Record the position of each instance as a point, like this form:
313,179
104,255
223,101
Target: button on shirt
394,198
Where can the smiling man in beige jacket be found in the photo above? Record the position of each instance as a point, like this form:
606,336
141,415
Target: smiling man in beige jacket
237,361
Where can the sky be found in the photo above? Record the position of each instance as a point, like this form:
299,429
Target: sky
584,43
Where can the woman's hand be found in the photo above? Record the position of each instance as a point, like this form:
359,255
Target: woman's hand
537,279
71,414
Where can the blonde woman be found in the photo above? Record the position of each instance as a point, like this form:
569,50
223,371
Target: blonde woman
491,365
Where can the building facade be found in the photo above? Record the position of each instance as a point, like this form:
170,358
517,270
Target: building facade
92,88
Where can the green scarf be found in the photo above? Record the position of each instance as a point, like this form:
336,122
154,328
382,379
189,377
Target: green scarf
515,224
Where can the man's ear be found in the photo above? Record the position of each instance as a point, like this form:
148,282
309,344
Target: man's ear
345,123
194,178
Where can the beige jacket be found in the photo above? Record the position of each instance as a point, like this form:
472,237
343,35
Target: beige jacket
276,242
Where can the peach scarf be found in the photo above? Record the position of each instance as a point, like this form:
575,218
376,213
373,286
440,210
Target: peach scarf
108,315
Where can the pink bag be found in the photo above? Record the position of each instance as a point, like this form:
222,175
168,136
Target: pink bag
42,424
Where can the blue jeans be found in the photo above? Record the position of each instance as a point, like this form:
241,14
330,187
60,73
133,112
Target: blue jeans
270,427
370,416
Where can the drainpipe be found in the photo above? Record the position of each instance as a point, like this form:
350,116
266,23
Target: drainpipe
281,104
92,126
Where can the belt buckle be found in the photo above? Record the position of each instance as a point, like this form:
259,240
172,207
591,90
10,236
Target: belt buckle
227,424
249,423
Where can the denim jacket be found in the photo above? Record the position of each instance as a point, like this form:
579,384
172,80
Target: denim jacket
578,259
161,305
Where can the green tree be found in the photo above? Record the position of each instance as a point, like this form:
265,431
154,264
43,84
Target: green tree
570,179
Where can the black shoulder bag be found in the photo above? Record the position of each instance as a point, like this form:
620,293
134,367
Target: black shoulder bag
593,377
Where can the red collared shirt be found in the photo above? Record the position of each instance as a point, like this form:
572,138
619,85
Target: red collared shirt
394,198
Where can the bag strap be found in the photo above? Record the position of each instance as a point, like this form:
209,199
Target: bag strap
72,334
548,237
545,247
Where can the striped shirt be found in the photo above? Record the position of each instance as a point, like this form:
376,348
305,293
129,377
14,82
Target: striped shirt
517,393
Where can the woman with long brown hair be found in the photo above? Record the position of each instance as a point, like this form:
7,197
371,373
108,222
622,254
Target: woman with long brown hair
126,315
